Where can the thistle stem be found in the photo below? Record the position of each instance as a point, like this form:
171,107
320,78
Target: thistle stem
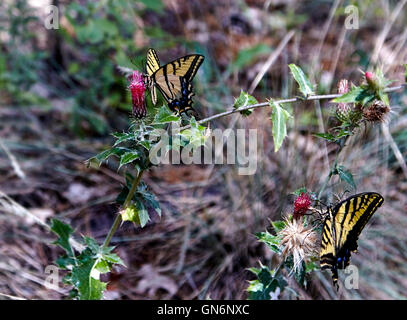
289,100
118,220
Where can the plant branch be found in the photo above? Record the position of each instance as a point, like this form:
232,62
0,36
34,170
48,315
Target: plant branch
118,220
289,100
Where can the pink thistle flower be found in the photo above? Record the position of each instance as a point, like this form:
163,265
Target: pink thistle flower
137,89
301,205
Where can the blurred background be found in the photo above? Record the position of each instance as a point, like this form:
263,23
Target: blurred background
61,96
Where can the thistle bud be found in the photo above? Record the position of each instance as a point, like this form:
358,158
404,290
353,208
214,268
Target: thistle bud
137,89
371,80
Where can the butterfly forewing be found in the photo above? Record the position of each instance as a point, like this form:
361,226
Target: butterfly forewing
153,63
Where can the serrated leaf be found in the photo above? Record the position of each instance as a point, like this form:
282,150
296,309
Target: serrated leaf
279,118
87,284
195,136
150,200
128,157
302,80
244,100
265,283
354,95
165,115
122,136
271,241
143,214
346,176
64,232
117,151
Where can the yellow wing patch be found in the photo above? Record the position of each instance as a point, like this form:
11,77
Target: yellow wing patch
153,63
342,228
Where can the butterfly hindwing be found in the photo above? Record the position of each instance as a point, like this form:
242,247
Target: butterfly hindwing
173,79
342,228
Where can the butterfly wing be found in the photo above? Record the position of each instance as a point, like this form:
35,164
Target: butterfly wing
174,81
342,228
152,65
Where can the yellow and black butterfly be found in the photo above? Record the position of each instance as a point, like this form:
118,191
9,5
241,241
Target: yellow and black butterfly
174,80
342,227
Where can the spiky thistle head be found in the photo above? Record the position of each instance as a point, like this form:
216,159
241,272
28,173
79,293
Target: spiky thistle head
137,89
298,241
377,111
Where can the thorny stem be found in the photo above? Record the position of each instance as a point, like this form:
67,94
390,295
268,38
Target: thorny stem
126,203
290,100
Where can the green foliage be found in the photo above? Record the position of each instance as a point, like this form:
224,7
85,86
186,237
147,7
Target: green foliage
84,267
164,116
279,118
302,80
267,282
244,100
196,136
272,242
345,176
366,93
343,132
142,199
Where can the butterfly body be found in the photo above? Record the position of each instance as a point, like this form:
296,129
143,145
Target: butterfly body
342,228
173,80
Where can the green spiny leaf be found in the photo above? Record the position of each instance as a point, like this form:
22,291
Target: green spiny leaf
129,157
64,232
165,115
272,242
244,100
302,80
86,281
279,118
355,94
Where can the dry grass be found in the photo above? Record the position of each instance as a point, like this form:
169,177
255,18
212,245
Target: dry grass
204,242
